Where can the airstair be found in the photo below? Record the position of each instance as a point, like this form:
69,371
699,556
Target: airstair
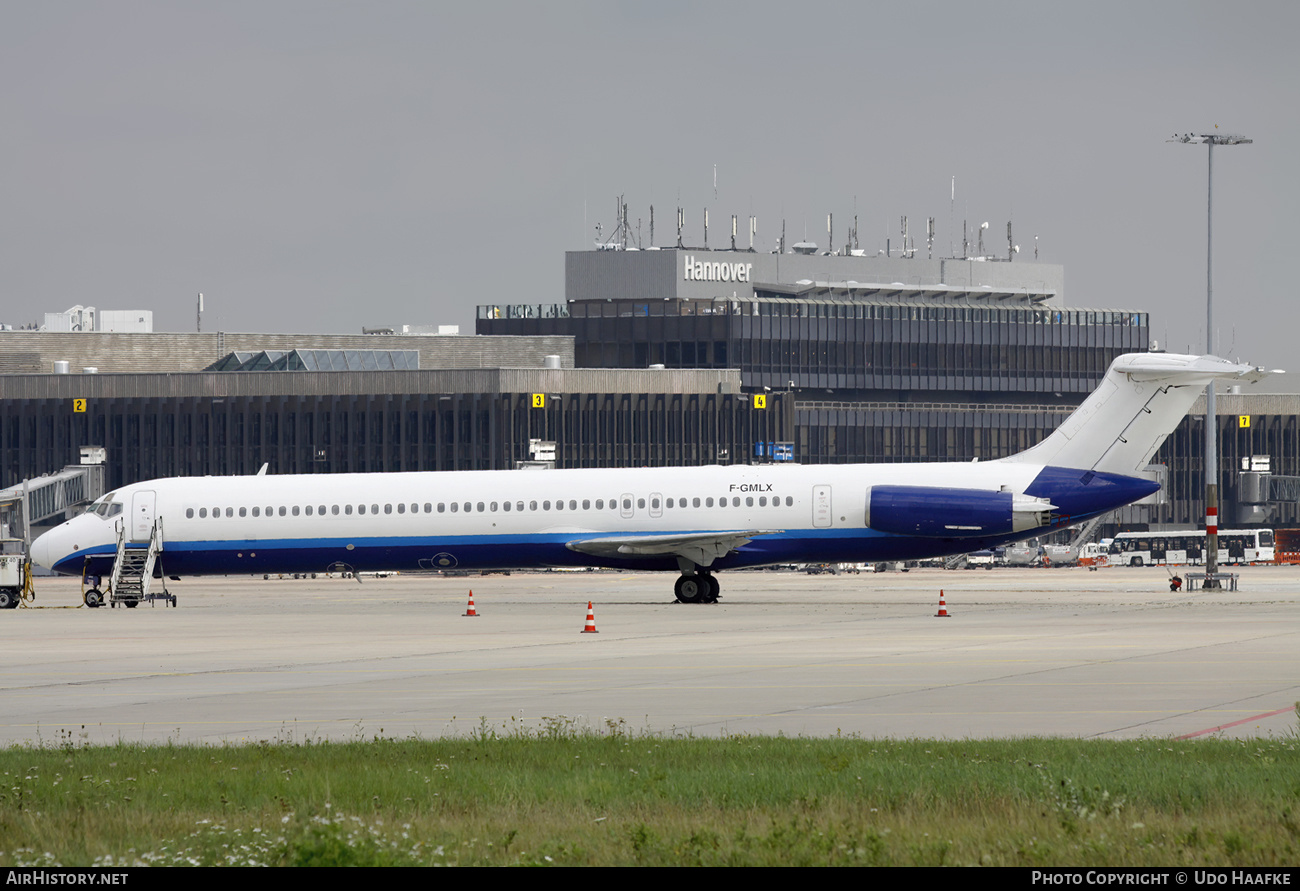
1085,531
132,576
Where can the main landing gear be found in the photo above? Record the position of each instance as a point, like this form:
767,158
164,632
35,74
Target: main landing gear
697,587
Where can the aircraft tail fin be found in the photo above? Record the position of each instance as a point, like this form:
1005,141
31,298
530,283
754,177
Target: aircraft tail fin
1141,400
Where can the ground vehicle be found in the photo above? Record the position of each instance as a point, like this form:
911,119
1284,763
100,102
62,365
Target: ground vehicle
1094,554
1235,546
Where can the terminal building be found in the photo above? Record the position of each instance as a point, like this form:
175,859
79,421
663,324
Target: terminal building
654,358
232,422
946,359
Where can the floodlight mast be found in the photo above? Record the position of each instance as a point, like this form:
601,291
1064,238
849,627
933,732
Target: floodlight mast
1211,420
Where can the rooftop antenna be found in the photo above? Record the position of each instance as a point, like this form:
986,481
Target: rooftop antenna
903,226
984,225
198,322
1036,260
753,230
830,233
1011,245
952,217
706,228
652,225
622,237
733,231
781,243
681,221
929,238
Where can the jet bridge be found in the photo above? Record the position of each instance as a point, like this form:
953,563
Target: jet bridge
1259,490
55,496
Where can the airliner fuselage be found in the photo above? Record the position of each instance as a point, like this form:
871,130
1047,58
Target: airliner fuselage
695,520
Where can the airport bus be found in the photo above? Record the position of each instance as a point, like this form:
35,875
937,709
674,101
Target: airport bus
1238,546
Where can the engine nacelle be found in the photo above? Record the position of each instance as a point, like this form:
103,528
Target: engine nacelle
934,512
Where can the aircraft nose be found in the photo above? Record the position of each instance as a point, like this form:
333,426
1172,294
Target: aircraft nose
41,552
51,547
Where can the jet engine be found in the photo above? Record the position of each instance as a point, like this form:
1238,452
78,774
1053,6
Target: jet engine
937,512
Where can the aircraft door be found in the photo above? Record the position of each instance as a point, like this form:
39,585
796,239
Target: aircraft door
821,507
143,506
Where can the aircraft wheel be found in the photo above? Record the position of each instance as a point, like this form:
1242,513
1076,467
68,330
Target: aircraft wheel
690,589
94,598
711,595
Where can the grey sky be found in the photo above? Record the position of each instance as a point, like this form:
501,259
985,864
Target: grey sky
323,166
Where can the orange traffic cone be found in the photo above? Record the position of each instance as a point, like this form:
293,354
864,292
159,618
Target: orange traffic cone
590,627
943,609
470,611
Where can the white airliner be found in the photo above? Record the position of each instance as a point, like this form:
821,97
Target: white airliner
692,520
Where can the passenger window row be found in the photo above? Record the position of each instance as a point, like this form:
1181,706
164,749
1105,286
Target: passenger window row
480,507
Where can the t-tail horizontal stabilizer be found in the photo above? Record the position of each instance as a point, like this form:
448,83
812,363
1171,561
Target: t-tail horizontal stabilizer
1143,397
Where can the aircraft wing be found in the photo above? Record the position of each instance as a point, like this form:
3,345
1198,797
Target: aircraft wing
701,548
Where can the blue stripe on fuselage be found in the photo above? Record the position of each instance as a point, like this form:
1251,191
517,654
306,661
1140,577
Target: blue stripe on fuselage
519,551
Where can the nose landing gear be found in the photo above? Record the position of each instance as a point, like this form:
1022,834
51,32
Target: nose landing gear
91,596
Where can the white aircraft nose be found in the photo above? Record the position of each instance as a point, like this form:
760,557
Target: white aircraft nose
41,552
55,545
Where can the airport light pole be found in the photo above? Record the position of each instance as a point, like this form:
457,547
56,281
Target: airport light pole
1211,420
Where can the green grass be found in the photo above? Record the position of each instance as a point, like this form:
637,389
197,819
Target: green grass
568,795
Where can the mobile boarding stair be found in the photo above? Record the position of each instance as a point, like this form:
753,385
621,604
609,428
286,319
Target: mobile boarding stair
133,569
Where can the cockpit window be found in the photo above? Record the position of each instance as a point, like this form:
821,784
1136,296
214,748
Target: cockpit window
107,507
